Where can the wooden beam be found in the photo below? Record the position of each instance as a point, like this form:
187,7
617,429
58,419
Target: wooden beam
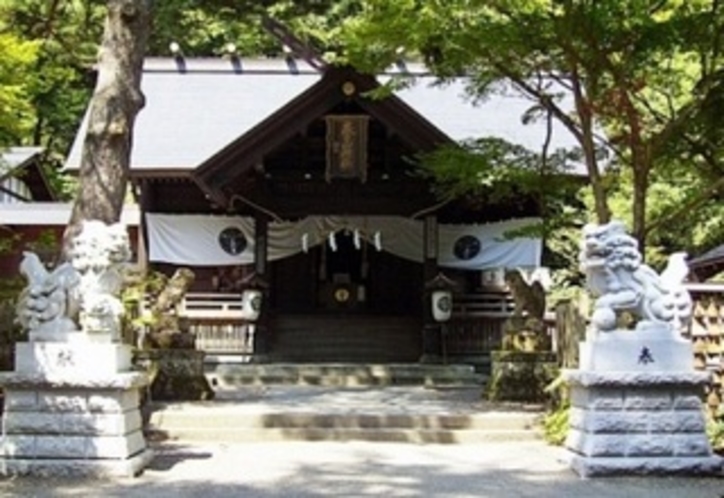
297,46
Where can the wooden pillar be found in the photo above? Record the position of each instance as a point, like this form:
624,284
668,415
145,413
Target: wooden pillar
144,205
431,330
262,329
261,227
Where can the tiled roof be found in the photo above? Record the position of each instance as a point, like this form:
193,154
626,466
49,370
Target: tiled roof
16,157
713,256
197,107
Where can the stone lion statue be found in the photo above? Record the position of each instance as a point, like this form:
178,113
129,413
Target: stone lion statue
99,254
525,329
45,304
621,282
529,298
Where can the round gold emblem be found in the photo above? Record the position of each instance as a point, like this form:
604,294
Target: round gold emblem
341,295
348,88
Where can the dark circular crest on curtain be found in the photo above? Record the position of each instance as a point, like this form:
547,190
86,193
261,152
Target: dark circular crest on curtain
466,247
232,241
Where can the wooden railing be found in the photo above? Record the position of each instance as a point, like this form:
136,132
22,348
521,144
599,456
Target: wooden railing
211,305
476,326
215,319
483,304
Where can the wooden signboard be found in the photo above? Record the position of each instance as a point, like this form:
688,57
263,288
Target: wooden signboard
347,147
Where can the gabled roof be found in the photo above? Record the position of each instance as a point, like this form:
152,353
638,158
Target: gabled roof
294,117
197,107
53,214
23,162
14,158
709,263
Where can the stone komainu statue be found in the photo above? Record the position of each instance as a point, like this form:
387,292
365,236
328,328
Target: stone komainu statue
530,299
620,282
99,254
47,302
525,330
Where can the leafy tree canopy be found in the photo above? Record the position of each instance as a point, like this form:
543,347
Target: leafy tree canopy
644,70
16,109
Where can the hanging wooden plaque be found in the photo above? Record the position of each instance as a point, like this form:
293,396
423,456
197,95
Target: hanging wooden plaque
347,147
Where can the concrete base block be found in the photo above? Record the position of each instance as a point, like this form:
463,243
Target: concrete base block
636,408
71,467
66,426
72,358
648,350
656,466
64,446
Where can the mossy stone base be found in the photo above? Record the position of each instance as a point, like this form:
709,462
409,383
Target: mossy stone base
521,376
177,374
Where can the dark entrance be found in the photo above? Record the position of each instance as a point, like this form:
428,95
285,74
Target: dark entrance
352,304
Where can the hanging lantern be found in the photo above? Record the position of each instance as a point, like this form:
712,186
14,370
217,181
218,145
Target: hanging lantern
442,305
251,304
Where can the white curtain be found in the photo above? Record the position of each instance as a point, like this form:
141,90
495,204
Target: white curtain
194,239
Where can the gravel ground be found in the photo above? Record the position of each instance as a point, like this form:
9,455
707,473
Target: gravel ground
300,469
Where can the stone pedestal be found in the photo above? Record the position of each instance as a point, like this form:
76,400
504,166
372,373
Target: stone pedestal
72,408
636,407
178,374
521,376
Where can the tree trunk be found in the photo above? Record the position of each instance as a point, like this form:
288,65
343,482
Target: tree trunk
641,186
583,108
117,99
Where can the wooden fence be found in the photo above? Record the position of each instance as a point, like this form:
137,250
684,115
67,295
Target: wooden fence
476,326
707,336
215,320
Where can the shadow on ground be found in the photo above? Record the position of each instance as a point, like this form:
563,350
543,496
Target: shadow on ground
307,470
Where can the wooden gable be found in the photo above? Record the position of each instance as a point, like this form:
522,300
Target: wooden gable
261,163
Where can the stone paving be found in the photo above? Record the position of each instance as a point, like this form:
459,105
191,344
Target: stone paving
388,400
358,469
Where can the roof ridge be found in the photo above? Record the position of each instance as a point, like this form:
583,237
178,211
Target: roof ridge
263,65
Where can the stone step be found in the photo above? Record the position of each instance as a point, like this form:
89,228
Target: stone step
391,414
343,337
380,435
230,375
198,419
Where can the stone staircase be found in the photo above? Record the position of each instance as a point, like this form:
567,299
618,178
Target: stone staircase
330,410
228,376
359,339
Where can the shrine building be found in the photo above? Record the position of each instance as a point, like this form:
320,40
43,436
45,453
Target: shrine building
301,183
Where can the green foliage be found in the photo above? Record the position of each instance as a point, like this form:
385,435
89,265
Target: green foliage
46,245
139,287
17,57
555,425
715,431
520,376
645,72
555,422
205,28
59,78
495,168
